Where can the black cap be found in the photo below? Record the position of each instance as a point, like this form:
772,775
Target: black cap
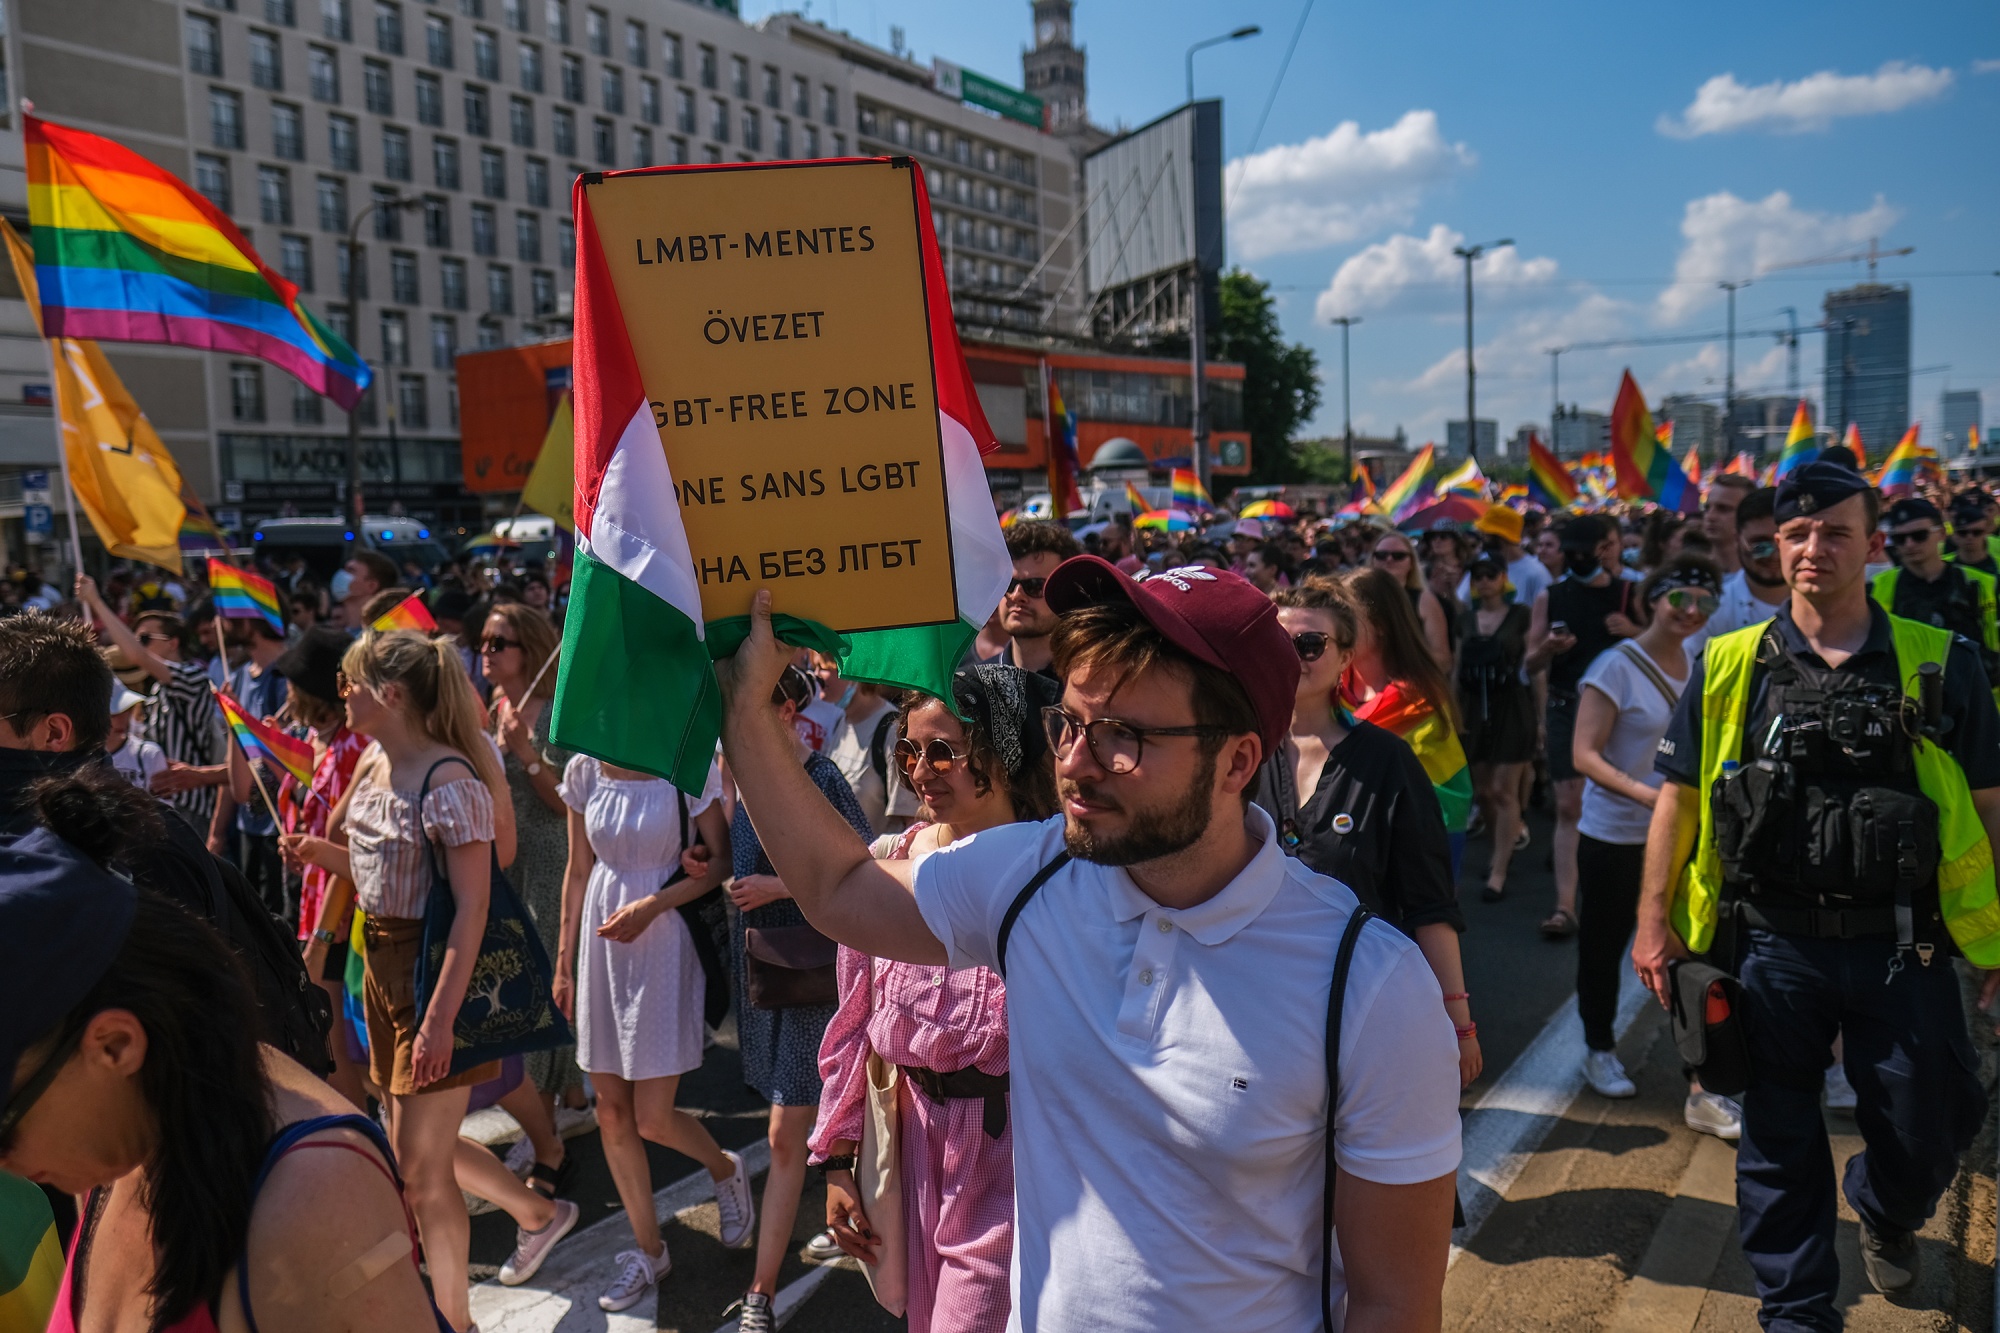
1820,484
1967,509
313,663
63,919
1911,508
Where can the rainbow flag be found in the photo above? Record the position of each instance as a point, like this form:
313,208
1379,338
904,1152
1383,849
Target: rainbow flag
1465,479
1645,470
1166,520
1189,493
410,613
1549,482
1406,494
1741,466
1852,443
242,595
1064,498
1691,465
1514,495
1898,473
1972,440
1409,715
125,251
31,1257
1801,443
260,740
1136,500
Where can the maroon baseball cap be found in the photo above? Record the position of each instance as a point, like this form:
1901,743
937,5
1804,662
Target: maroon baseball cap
1210,614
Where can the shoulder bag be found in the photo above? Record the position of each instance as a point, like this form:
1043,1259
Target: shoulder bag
878,1176
509,1006
705,918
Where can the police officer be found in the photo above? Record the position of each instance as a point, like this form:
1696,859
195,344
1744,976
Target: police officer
1956,597
1855,761
1972,534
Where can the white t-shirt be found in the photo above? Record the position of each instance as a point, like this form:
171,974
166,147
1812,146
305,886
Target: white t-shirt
851,749
139,760
816,723
1643,713
1169,1080
1740,607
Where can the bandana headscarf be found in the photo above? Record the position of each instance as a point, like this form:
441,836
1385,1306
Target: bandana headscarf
1006,702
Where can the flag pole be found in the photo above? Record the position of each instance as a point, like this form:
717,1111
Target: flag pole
55,414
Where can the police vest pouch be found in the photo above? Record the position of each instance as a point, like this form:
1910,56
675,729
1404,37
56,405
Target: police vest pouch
1751,808
1708,1026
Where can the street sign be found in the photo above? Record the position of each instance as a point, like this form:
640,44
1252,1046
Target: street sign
987,94
38,520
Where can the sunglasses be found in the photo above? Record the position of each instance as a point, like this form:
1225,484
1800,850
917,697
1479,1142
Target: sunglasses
1680,599
38,1083
157,638
1763,550
1389,557
1311,644
1908,535
496,644
345,685
937,756
1031,587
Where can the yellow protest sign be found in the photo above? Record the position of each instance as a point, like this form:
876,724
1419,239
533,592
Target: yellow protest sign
778,317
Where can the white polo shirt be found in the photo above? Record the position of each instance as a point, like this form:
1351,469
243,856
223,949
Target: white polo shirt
1169,1080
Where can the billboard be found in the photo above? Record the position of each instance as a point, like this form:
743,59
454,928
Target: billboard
987,94
1153,200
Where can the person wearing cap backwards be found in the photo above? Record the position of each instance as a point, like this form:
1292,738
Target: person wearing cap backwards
1168,986
134,756
1926,588
1784,722
1971,534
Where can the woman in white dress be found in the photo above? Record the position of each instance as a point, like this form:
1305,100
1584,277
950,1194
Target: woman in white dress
628,973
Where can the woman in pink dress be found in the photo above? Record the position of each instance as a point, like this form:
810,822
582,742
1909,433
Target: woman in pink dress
946,1028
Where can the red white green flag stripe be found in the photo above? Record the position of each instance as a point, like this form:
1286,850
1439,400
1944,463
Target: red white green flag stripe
635,686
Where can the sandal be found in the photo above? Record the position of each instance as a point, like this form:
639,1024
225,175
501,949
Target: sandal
550,1181
1559,924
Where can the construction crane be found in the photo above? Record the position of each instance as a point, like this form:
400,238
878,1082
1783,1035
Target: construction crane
1873,254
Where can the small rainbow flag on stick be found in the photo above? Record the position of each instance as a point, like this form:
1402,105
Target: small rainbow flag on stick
1645,468
242,595
1549,482
1852,442
1801,444
260,740
1404,492
1189,493
1136,500
410,613
1064,498
1899,470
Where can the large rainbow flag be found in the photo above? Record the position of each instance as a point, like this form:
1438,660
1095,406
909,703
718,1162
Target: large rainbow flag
1801,443
260,740
1645,468
1409,715
1407,493
1549,482
1064,497
1898,473
1189,493
125,251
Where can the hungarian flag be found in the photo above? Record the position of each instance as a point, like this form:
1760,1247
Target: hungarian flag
635,685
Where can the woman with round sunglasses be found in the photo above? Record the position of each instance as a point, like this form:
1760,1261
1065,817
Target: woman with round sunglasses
946,1029
1395,556
1626,699
1352,801
1497,710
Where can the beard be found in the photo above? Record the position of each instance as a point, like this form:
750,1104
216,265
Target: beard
1150,833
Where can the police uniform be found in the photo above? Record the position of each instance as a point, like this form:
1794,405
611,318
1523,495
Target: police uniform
1852,864
1960,598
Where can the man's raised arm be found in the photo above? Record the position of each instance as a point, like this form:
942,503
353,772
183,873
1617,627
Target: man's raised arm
845,893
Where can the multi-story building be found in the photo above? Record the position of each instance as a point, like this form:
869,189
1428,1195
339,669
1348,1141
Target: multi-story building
1697,423
1960,410
1574,432
457,129
1868,362
1454,437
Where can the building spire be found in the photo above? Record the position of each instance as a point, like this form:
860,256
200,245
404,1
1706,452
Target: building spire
1053,69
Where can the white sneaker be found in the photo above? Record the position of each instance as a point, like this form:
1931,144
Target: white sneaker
574,1120
531,1247
640,1274
734,1202
1606,1075
1839,1092
823,1248
1711,1113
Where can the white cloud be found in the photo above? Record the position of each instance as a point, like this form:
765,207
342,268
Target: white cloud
1339,187
1423,269
1724,237
1986,67
1723,106
1517,353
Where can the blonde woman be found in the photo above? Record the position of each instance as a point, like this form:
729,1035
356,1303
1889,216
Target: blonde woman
408,691
1395,556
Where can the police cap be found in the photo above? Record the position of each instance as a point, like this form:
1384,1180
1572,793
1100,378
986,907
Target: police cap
1911,509
1817,486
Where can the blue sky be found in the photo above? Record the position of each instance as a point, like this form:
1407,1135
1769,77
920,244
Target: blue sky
1636,156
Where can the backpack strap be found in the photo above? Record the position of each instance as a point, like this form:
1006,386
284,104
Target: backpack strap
1647,668
1028,890
1336,999
878,747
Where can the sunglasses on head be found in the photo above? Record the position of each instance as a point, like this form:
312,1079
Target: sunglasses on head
1031,587
1311,644
1680,599
937,756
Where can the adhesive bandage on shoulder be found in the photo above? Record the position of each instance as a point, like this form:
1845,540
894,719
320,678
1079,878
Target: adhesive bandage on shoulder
370,1264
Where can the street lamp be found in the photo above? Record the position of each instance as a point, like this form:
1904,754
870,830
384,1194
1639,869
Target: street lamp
1248,30
1469,253
1346,322
1729,375
354,505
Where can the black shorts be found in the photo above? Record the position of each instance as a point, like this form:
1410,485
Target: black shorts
1562,733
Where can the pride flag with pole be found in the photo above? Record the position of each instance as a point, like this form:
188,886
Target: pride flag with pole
260,740
1691,465
1404,711
1549,482
1741,466
410,613
242,595
1189,493
1801,443
1136,500
1645,469
1465,479
1064,498
126,251
1852,443
1898,473
1406,493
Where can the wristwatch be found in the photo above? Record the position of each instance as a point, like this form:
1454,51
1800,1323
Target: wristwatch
844,1162
534,768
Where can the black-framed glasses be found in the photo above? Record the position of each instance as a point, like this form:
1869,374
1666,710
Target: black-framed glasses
1311,644
1116,746
29,1093
493,643
1031,587
937,756
1908,535
1764,549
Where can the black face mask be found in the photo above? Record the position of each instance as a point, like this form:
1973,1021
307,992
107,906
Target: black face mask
1582,564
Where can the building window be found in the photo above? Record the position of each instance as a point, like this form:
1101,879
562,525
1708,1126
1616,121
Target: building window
718,120
514,13
899,131
753,130
437,224
403,278
563,121
478,112
484,241
635,43
521,122
225,118
395,153
670,55
343,260
274,195
808,141
267,68
437,41
499,289
864,120
323,71
684,111
343,142
771,85
306,406
642,147
204,44
542,291
556,20
739,76
611,84
531,67
649,100
572,77
493,173
472,9
485,54
566,242
281,12
444,163
840,145
451,284
295,261
376,90
332,204
444,342
603,140
801,97
412,402
288,139
781,136
430,99
336,19
707,64
491,334
246,391
388,28
395,327
597,32
211,177
535,181
528,238
829,110
677,151
388,218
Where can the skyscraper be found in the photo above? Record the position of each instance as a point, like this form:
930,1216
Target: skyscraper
1962,409
1868,362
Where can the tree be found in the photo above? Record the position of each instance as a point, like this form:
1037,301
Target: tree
1281,381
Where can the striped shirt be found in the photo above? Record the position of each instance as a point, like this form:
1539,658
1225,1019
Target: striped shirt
187,725
392,872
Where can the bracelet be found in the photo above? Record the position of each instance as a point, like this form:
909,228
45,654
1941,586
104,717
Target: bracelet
326,936
844,1162
1462,995
1468,1031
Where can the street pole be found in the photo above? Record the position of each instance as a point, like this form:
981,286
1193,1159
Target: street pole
354,500
1346,322
1729,375
1197,334
1248,30
1469,253
1555,391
